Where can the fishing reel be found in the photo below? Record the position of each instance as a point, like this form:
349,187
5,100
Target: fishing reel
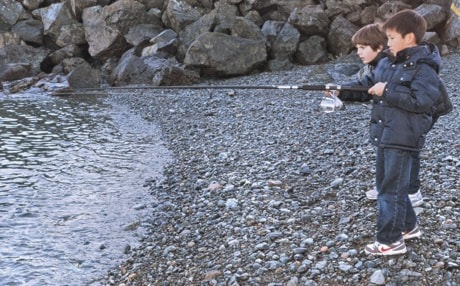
331,103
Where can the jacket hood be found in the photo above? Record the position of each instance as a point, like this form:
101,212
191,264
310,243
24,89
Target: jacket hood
433,56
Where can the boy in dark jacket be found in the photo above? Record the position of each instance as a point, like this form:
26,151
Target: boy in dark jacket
405,88
370,42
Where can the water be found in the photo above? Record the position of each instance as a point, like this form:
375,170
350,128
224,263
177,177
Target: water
73,191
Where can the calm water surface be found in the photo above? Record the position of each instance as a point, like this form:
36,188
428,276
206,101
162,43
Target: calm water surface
73,190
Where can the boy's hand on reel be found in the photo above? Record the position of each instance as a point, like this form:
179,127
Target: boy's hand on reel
332,102
329,92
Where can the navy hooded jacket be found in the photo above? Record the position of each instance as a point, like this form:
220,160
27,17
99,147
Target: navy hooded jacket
402,116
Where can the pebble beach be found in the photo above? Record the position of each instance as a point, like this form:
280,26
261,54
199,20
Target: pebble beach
266,189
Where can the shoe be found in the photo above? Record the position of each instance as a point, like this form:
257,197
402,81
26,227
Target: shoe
416,199
377,248
372,194
415,233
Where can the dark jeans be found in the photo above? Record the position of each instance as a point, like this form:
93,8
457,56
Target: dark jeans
393,176
414,184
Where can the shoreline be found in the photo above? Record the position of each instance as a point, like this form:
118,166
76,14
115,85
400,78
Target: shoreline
265,189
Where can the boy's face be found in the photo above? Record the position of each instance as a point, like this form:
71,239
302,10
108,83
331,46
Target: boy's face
397,43
366,53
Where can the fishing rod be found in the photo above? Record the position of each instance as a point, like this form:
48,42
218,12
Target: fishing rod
96,90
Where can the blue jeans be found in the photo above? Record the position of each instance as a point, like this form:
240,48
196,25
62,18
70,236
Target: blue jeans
393,176
414,184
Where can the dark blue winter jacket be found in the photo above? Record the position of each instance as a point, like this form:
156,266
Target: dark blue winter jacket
402,116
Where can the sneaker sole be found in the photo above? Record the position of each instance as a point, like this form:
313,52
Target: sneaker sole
371,196
412,236
401,249
395,252
417,203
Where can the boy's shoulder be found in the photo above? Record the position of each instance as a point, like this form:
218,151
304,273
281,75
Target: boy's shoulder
410,58
413,54
364,71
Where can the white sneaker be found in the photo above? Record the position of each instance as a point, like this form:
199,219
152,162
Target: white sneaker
416,199
414,233
376,248
372,194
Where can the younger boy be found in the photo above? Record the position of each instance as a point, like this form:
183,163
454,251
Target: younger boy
369,41
405,88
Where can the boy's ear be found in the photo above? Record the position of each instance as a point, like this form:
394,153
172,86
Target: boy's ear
410,38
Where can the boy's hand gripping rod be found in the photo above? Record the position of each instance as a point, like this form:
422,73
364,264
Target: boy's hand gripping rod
123,89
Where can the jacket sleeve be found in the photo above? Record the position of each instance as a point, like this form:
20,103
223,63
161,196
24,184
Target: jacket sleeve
347,95
361,96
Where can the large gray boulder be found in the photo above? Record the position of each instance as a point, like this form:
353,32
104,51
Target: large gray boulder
348,9
153,4
368,15
217,54
282,37
220,19
84,76
105,27
10,11
277,10
142,32
78,6
193,31
433,14
56,57
339,37
60,26
67,65
30,30
10,72
179,14
173,74
312,51
245,28
131,69
310,20
225,17
10,39
451,32
20,53
150,70
162,45
388,9
31,4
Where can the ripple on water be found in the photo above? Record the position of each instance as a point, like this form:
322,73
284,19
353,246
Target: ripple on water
72,176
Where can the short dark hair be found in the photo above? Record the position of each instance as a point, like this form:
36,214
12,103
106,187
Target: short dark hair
370,35
405,22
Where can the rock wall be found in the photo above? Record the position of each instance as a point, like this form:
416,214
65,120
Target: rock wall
164,42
